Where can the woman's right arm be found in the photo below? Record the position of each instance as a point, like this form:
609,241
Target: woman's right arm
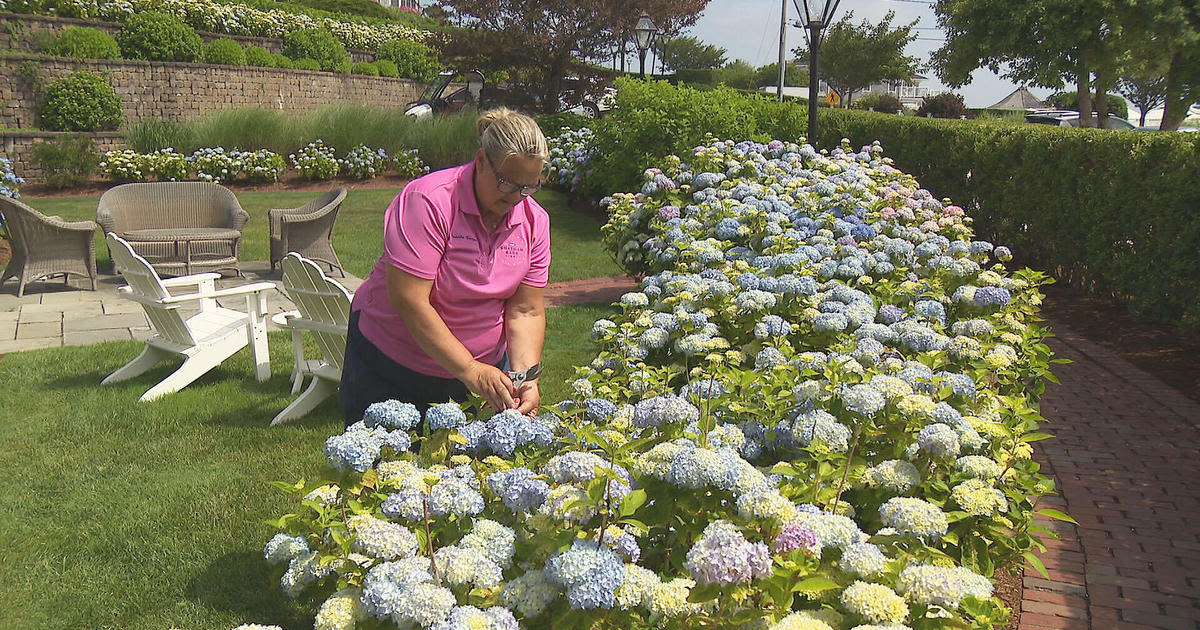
409,297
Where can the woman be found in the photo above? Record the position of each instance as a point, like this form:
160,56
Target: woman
456,297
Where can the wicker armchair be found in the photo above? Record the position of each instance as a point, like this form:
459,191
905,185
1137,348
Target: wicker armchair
307,230
46,246
179,227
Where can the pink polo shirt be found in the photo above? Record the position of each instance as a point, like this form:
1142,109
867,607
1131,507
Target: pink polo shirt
433,230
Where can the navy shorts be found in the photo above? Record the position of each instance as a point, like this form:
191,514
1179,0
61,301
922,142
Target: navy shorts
370,376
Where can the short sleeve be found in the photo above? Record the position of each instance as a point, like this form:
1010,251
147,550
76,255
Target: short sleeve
539,253
415,234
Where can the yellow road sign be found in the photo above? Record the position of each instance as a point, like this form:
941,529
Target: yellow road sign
833,98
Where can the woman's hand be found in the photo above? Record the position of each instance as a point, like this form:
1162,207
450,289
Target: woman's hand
491,383
528,398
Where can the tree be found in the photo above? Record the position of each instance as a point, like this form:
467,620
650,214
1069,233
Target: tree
1145,94
541,41
737,74
797,75
677,53
1040,42
1169,30
852,57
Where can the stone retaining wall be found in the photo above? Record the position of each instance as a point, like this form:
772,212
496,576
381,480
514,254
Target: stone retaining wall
182,91
18,146
20,32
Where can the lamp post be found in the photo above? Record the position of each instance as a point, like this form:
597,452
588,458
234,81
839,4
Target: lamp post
816,14
643,35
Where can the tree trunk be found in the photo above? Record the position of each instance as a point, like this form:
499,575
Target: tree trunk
1084,92
1141,119
1101,100
1175,109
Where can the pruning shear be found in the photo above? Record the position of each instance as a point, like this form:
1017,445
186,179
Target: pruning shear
518,378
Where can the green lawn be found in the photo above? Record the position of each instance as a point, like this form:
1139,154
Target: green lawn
119,514
358,237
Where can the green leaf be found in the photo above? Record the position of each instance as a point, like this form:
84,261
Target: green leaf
704,593
814,584
1055,514
1034,437
632,502
1036,563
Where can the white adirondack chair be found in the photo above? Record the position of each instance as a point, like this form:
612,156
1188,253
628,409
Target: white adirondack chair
324,311
204,339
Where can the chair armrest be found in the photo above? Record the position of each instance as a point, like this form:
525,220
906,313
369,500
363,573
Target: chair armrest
183,281
74,226
242,290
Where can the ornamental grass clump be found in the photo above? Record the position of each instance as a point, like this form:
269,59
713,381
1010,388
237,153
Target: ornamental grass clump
725,460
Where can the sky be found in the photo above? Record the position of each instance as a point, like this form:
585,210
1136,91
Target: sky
749,30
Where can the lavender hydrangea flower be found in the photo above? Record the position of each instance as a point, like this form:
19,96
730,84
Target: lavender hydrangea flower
724,556
796,536
519,488
591,574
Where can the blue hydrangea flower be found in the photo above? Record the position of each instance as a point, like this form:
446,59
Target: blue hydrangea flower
392,414
724,556
445,416
591,574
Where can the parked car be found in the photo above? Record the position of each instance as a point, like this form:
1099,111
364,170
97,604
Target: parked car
1069,118
452,90
590,100
1156,128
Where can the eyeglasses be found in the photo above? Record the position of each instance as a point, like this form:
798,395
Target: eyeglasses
507,187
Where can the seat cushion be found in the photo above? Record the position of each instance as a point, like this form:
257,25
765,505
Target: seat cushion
170,235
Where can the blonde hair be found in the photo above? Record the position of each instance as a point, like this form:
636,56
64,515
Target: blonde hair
504,133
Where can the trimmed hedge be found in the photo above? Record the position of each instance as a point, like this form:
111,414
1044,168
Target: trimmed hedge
319,45
82,42
225,51
1115,212
155,36
81,102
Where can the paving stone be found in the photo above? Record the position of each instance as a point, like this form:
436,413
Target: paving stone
38,343
104,322
118,306
8,331
39,330
81,338
39,316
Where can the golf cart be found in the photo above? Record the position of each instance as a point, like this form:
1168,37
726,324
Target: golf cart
435,100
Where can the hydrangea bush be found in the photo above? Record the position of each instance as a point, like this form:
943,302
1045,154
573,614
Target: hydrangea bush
316,161
213,164
10,183
231,19
363,162
815,414
570,152
409,164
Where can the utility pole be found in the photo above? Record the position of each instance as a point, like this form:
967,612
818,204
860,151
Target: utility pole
782,46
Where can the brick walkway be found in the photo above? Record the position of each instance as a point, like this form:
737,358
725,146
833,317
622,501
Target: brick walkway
1126,455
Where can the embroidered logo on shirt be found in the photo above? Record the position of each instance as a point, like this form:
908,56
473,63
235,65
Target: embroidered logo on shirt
513,251
468,237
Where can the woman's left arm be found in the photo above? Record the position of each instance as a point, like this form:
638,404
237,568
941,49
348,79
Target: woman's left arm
525,331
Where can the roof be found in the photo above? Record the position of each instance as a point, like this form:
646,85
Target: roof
1021,99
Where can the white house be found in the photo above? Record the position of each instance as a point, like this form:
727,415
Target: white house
909,92
411,5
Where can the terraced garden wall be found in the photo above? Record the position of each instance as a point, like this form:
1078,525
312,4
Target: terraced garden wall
181,91
21,31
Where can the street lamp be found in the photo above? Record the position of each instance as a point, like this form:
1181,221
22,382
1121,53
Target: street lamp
816,14
643,35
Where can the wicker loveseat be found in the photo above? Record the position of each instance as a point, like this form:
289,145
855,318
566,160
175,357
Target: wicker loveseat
46,246
181,228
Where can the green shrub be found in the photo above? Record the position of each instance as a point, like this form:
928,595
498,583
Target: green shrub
66,162
885,102
944,105
364,67
319,45
413,60
81,102
225,51
1070,100
387,68
153,134
306,64
705,76
281,61
82,42
258,56
158,36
